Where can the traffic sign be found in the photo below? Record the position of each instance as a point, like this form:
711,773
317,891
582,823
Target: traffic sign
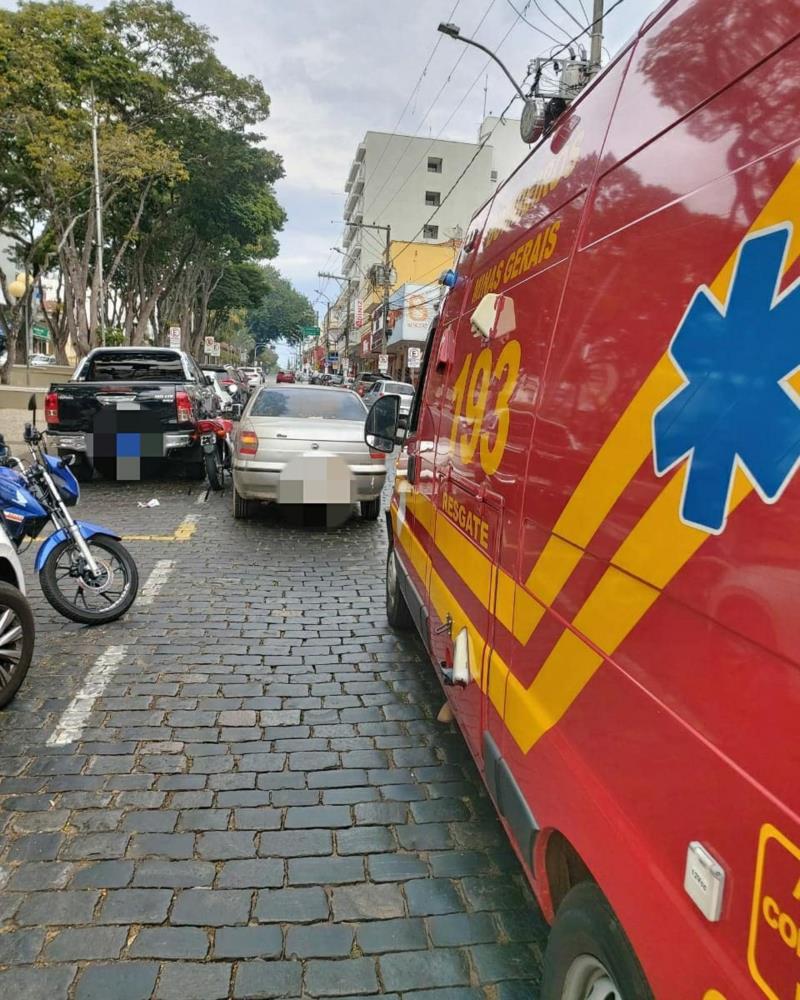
175,338
383,363
209,345
414,357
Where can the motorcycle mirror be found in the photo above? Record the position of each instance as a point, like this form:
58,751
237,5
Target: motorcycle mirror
32,406
69,459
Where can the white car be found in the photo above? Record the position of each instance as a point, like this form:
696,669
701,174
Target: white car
386,388
222,394
254,378
302,444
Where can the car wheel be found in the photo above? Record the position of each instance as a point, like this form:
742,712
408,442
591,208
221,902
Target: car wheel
241,507
397,612
588,954
370,509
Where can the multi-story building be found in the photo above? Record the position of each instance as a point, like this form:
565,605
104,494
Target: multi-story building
397,183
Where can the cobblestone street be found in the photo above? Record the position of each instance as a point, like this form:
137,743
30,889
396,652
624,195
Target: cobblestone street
251,797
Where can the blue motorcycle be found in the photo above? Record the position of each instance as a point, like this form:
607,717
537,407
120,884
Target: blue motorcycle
85,573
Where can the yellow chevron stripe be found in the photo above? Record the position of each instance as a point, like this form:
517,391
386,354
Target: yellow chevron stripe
656,549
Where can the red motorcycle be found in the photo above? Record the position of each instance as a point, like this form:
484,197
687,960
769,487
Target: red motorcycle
215,440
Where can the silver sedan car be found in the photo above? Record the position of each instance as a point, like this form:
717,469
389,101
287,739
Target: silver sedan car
305,444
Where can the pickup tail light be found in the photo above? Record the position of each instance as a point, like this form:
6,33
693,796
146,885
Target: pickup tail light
184,407
248,443
51,408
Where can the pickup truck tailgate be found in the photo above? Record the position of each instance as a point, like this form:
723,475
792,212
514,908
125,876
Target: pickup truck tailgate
92,406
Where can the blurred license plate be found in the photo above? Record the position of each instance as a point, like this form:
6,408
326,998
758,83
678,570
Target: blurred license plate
315,479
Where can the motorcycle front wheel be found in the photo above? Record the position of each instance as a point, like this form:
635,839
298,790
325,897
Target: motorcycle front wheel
16,641
75,593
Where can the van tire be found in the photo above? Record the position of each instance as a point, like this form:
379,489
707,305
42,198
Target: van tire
241,507
586,944
370,509
397,612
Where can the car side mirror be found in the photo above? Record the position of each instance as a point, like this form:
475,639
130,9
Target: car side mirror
209,380
382,424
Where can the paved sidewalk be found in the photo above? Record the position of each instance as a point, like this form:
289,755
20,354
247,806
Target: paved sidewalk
259,803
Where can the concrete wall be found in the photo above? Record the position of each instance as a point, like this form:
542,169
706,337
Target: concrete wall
40,376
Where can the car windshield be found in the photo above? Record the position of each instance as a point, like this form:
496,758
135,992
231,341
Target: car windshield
401,388
317,404
130,366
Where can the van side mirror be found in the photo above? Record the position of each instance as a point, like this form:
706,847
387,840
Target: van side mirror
382,424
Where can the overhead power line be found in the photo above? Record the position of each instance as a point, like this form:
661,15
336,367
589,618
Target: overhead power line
566,10
431,106
581,33
521,14
416,86
466,94
458,179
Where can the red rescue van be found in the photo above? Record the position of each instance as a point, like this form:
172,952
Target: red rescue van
596,506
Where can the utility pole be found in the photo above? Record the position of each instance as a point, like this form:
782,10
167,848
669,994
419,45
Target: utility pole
596,51
98,206
343,278
386,283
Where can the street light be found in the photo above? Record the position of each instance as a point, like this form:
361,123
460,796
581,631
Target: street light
531,121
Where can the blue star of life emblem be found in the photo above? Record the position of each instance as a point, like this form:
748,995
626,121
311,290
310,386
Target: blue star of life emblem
735,408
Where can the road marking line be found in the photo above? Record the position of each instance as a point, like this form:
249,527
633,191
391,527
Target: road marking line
73,718
158,577
182,533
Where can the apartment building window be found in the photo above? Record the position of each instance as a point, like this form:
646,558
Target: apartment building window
434,164
433,197
430,232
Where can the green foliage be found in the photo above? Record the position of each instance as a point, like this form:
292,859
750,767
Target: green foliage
187,187
282,311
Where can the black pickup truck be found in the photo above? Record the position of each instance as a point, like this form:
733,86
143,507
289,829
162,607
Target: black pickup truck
127,410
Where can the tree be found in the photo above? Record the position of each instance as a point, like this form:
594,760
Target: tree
187,187
268,358
282,312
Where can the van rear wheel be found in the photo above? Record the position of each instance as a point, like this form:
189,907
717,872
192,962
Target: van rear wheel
397,612
588,954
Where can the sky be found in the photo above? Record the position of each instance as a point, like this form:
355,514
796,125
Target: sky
337,68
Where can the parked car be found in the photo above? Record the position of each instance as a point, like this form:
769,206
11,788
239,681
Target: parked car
230,381
128,409
364,381
39,360
285,376
254,377
403,389
305,444
336,379
223,396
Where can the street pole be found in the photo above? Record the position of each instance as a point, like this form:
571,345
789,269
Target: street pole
387,277
596,51
99,223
